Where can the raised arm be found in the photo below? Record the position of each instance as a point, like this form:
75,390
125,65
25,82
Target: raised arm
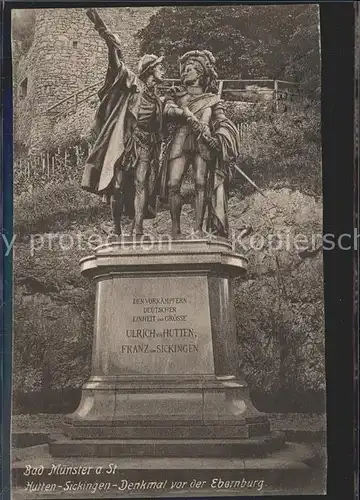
112,41
117,71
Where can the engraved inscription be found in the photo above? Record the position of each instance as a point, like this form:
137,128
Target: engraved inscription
161,332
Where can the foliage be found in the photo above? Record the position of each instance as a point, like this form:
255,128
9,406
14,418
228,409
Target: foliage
52,340
281,343
53,317
304,66
23,30
267,41
282,149
20,148
280,304
55,207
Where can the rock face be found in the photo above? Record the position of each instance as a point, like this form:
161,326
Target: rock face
61,320
66,55
52,323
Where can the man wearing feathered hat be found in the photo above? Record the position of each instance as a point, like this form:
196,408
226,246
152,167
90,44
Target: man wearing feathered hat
123,163
204,138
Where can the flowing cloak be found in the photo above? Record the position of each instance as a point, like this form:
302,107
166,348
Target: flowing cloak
220,175
219,172
114,126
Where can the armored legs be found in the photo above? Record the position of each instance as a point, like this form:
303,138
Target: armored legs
117,197
177,168
140,191
200,167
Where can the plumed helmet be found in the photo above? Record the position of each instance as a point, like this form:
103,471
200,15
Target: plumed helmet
148,61
206,60
204,57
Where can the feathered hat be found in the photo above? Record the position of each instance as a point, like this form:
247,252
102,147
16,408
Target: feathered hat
149,61
204,57
206,60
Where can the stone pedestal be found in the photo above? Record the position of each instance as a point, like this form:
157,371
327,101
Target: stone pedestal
164,378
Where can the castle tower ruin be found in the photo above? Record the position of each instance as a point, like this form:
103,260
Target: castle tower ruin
65,56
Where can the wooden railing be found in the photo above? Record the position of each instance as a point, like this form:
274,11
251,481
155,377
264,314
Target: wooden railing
72,101
64,164
250,90
53,167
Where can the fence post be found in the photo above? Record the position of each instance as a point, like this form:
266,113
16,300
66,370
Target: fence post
221,85
77,155
58,159
276,89
48,164
38,165
53,164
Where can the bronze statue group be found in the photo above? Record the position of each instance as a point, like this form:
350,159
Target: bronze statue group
131,124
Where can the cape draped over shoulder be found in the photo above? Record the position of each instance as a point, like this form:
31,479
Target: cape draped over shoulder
220,176
115,120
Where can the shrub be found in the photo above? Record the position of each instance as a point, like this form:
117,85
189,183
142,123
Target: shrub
56,207
281,342
283,149
280,314
53,320
23,30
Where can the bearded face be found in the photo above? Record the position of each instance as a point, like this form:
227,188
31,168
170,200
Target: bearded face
191,73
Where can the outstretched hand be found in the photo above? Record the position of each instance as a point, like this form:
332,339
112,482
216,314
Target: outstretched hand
212,141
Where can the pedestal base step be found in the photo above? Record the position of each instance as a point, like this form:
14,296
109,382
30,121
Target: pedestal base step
251,447
220,430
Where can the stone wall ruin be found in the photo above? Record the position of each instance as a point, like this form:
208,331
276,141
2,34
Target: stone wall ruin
66,55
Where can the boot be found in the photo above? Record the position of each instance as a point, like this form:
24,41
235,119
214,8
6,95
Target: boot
116,204
139,206
175,209
199,209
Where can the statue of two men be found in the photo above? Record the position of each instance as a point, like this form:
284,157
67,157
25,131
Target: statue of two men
131,122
